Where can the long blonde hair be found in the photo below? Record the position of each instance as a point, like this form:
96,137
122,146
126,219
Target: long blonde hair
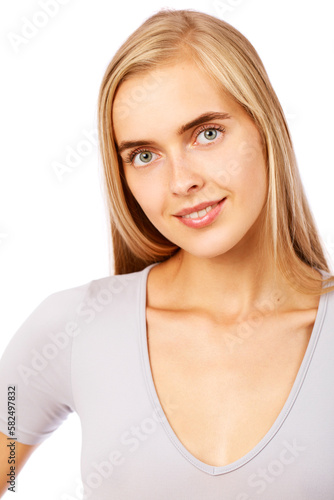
234,65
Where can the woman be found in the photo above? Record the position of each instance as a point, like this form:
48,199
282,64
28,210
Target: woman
200,369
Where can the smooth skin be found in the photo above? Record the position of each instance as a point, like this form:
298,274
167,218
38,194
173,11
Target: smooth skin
225,342
215,276
218,266
22,453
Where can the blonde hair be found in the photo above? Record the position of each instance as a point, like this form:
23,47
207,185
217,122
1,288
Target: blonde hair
234,65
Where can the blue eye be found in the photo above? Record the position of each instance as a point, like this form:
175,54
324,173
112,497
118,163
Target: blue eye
140,157
209,134
145,157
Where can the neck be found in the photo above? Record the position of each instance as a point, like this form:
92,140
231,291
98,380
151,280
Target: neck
230,285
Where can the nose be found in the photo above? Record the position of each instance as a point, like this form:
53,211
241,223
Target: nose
184,176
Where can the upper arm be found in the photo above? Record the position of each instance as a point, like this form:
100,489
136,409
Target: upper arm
22,453
36,365
35,373
40,394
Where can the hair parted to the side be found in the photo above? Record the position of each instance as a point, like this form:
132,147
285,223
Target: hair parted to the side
234,65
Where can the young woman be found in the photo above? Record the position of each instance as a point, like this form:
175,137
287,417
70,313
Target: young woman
202,368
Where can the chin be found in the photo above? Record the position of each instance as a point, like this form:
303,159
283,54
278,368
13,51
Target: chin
209,250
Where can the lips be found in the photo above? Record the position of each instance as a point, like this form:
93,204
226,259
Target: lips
206,220
197,208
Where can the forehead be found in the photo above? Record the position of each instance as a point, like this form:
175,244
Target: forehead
166,98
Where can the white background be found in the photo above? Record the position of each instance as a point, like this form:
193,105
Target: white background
53,234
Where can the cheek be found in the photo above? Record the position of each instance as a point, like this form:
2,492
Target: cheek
244,167
141,186
252,184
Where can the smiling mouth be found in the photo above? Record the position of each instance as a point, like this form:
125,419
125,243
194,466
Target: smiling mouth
200,213
204,217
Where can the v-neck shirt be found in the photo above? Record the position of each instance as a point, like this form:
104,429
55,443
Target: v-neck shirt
85,350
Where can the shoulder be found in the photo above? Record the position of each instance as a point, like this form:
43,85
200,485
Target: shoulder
114,293
53,348
88,298
62,315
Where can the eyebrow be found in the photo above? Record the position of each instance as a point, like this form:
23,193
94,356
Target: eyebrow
205,117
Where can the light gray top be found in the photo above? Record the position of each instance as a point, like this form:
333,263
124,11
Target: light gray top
85,349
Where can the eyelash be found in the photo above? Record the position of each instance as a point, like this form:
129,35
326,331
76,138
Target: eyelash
129,158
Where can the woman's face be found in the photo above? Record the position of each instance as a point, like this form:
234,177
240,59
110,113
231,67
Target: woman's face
193,145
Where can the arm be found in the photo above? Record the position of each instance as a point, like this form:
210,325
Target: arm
43,383
22,453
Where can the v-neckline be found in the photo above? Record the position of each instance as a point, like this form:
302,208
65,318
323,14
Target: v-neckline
211,469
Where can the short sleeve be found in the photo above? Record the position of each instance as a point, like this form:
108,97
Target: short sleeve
36,365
